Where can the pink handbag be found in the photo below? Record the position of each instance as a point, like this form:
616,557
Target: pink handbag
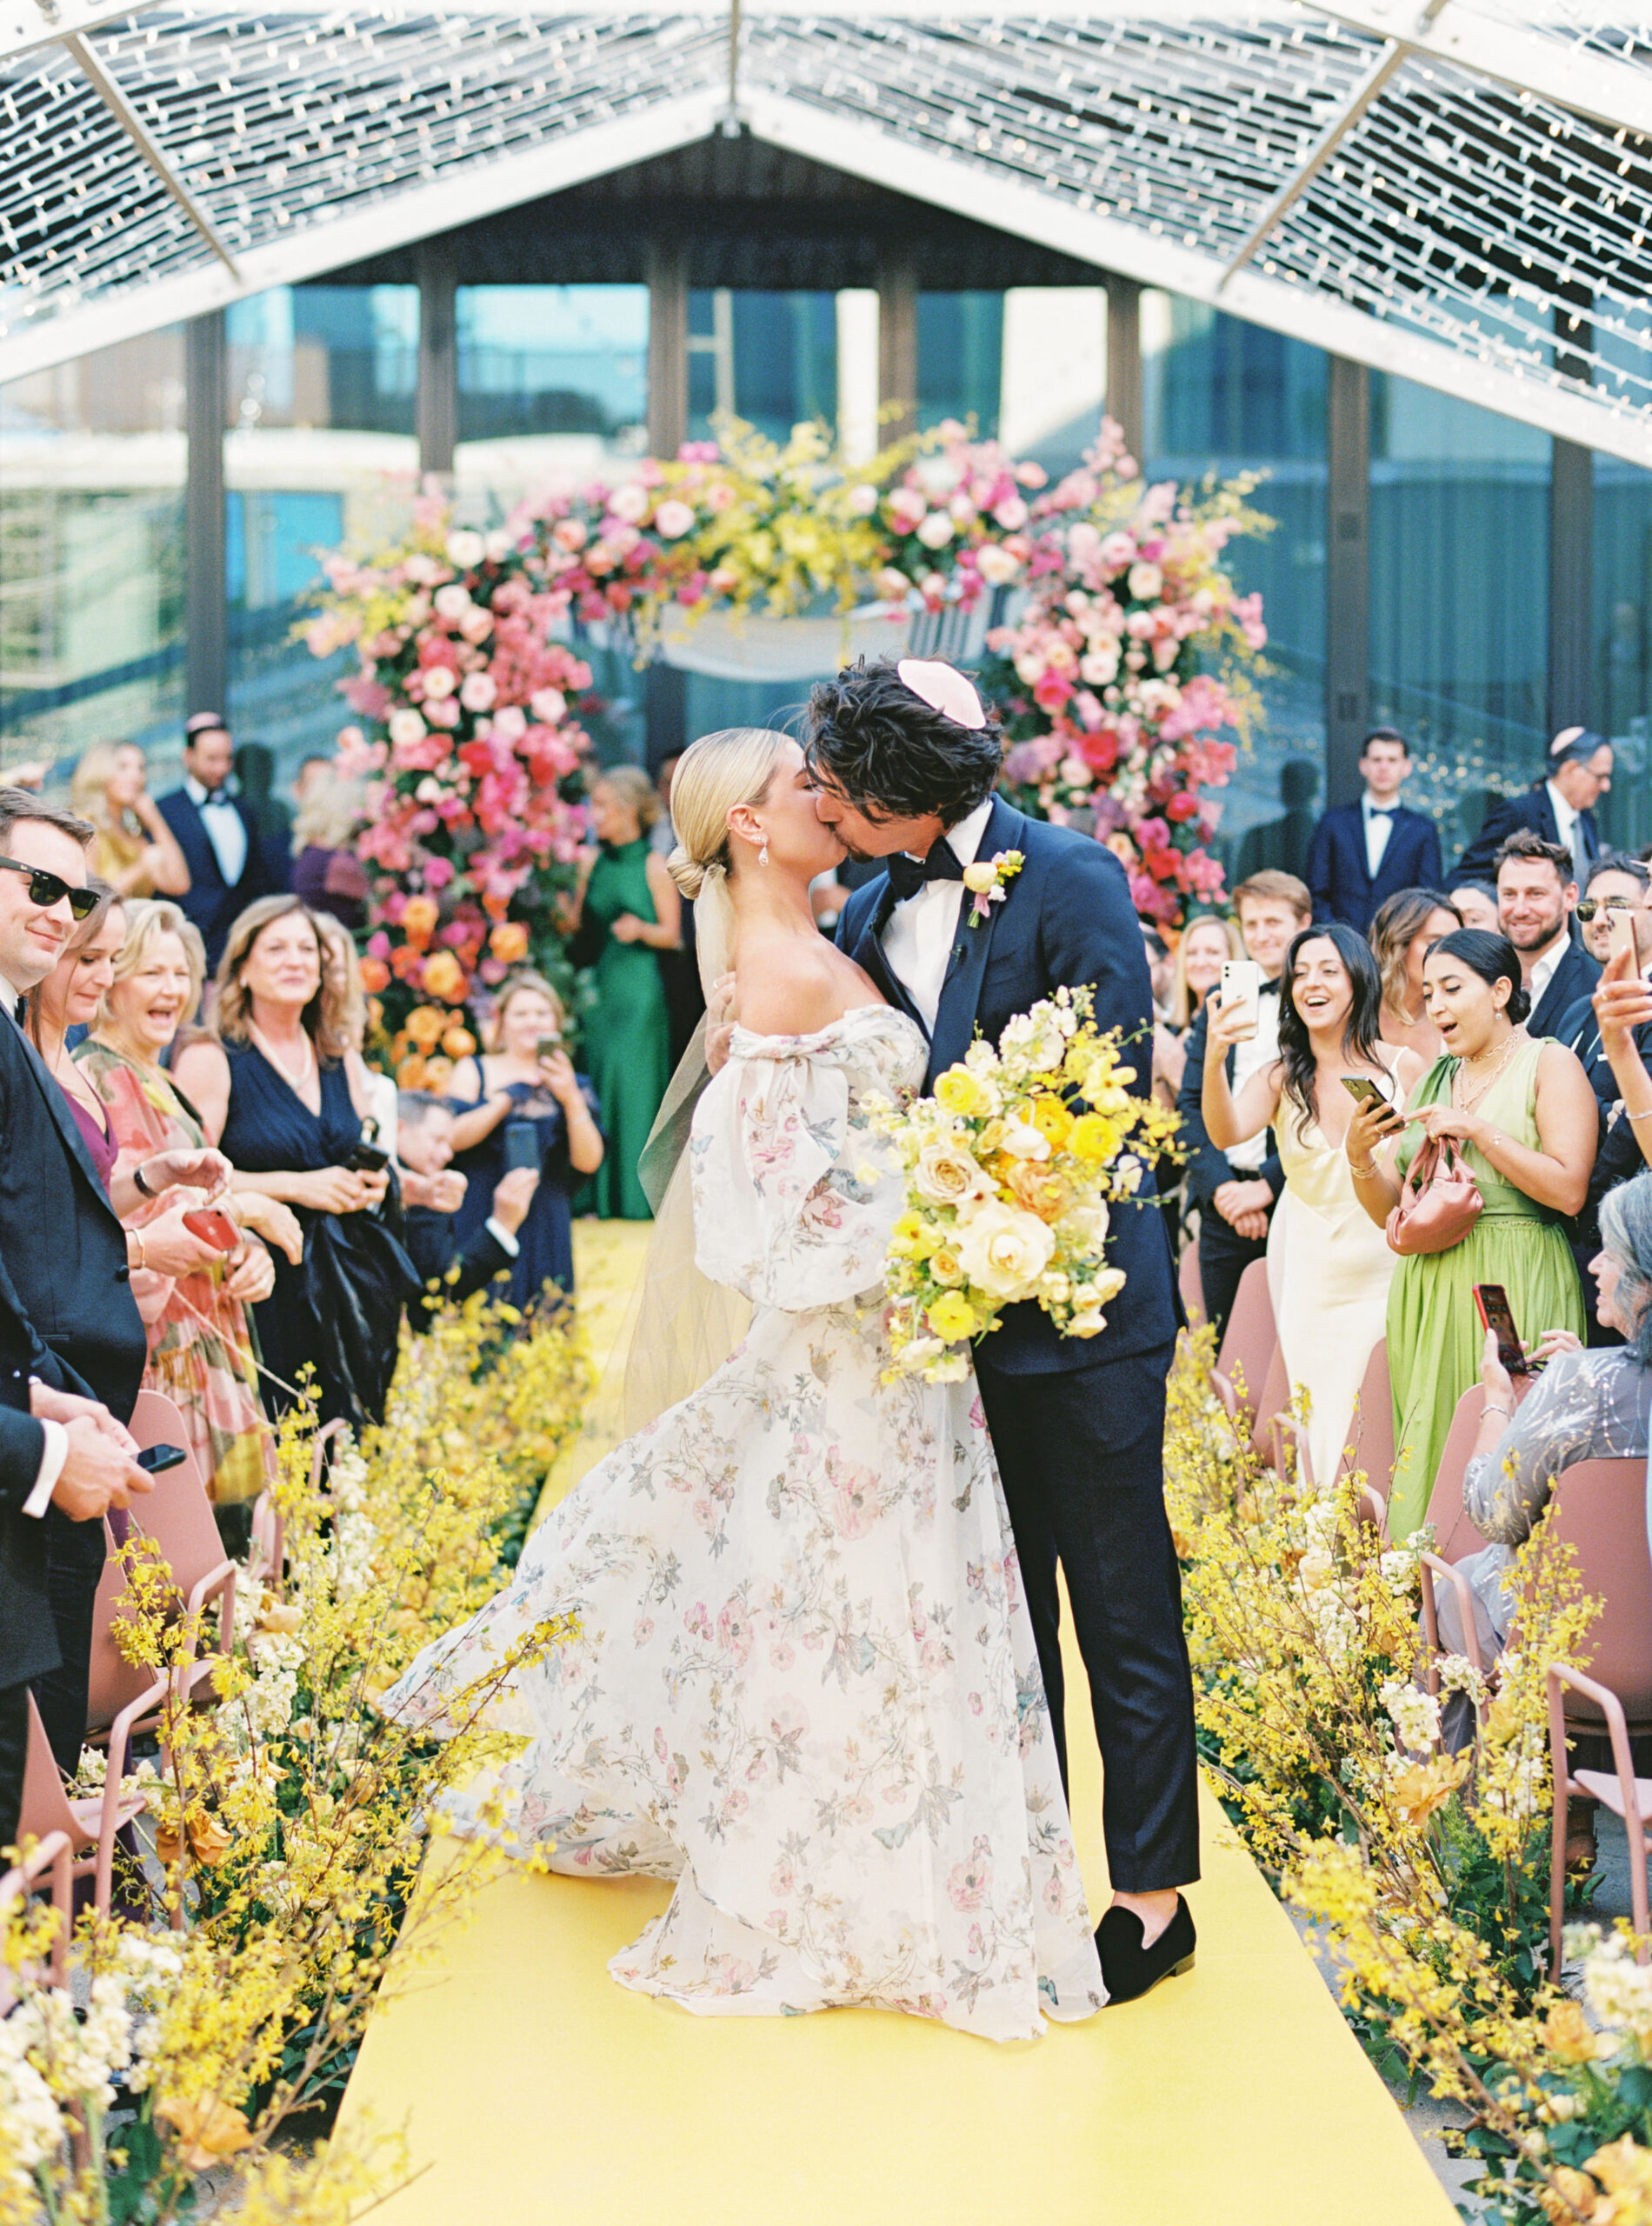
1440,1201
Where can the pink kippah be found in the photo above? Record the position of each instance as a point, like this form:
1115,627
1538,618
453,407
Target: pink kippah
943,688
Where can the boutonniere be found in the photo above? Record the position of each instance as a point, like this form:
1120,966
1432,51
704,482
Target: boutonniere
985,881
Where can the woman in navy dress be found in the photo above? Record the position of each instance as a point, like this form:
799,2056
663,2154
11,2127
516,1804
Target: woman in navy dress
528,1077
280,1091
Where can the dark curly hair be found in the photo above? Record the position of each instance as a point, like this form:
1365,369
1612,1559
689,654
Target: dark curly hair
1494,958
1360,1032
883,749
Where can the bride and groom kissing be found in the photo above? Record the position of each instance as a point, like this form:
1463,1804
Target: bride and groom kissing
815,1677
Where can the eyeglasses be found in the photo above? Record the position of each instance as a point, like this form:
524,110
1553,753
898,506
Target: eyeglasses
46,889
1592,905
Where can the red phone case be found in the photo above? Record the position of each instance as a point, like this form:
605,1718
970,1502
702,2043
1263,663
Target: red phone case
212,1228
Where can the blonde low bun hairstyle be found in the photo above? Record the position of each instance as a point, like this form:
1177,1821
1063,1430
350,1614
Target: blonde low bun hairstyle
713,777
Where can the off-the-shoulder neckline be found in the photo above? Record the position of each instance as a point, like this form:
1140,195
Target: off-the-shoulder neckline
820,1035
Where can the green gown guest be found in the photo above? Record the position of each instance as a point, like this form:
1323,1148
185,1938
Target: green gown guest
1522,1113
628,909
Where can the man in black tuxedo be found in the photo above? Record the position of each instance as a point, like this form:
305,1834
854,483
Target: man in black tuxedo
1560,808
1237,1190
1363,853
1536,896
62,1242
223,846
905,764
60,1452
435,1193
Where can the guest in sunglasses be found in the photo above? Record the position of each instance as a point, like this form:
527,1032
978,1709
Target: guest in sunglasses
60,1236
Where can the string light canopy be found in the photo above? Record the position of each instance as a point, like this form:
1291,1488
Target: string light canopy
1458,190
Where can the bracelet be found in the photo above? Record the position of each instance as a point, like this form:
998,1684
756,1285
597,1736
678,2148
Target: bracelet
137,1235
1362,1174
1489,1410
143,1189
1646,1115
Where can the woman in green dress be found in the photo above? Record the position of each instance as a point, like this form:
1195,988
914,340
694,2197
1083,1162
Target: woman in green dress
627,910
1524,1116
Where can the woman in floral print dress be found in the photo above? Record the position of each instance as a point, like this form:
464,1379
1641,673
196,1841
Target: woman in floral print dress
803,1682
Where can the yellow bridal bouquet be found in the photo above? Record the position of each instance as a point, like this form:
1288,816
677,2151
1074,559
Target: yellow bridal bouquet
1010,1170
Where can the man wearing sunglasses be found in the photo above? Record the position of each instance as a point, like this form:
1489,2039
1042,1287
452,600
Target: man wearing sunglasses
60,1243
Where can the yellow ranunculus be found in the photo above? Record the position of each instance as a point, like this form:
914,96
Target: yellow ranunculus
945,1265
1569,2036
1052,1120
963,1093
906,1236
952,1317
1094,1139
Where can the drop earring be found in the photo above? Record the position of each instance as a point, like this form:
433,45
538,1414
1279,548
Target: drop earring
762,854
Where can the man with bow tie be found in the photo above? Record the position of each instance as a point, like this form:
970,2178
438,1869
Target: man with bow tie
217,836
1363,853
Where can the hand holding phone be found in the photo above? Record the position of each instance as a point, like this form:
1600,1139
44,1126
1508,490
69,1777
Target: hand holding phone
154,1459
1241,999
365,1158
522,1145
1497,1316
213,1226
1620,933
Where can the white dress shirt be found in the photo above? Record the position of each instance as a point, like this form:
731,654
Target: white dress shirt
1544,972
918,942
1379,825
55,1451
1250,1059
225,831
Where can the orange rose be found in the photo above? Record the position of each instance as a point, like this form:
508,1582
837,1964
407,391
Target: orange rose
375,975
418,921
445,977
509,943
425,1025
410,1075
458,1044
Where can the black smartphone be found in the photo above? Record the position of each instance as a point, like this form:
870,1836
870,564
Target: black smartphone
364,1158
547,1047
1497,1316
154,1459
522,1145
1362,1089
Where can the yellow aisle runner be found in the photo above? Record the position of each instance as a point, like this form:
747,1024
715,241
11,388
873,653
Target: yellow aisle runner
535,2089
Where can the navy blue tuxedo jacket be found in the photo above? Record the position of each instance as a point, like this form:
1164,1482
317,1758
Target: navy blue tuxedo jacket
1341,881
28,1634
211,904
1534,809
1572,980
1066,917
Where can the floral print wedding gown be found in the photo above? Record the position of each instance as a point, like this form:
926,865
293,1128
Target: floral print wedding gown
804,1685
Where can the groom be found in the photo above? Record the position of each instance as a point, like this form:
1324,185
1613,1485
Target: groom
905,763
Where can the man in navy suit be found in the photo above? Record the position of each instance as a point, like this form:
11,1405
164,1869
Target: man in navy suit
1559,807
1363,853
905,764
229,862
1536,896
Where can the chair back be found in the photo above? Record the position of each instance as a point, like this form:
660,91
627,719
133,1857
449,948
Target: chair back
1191,1286
45,1805
177,1514
1371,1434
1250,1340
1454,1536
1599,1510
114,1680
1275,1400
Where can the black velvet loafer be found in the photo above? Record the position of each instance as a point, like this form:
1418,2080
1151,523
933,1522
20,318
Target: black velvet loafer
1128,1970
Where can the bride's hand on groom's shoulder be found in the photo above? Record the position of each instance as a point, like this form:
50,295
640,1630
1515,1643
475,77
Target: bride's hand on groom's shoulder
719,1022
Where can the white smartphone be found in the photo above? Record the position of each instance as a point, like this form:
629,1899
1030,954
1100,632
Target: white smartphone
1242,992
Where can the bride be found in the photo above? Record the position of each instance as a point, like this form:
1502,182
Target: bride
803,1682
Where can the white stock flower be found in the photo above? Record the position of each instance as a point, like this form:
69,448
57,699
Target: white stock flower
1415,1715
1022,1141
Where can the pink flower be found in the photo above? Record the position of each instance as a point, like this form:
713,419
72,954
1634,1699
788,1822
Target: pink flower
476,691
856,1503
673,519
968,1885
629,504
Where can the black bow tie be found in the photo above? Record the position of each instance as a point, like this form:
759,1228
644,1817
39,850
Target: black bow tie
908,875
1381,810
214,795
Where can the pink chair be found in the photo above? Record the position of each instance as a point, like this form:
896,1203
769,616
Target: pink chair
1454,1536
1271,1401
1620,1790
92,1822
1250,1340
53,1854
177,1514
1371,1444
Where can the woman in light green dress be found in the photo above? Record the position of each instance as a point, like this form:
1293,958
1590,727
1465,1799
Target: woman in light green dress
1524,1119
629,912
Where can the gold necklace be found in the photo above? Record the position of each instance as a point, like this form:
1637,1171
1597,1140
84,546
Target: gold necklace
1464,1103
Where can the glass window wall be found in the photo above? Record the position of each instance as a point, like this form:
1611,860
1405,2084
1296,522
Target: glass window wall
1459,597
321,451
771,359
1620,702
553,383
1220,396
92,468
1029,367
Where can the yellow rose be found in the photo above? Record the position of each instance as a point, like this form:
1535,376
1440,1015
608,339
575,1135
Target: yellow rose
980,877
1569,2036
1004,1250
946,1174
952,1317
945,1265
959,1092
1093,1139
1052,1121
